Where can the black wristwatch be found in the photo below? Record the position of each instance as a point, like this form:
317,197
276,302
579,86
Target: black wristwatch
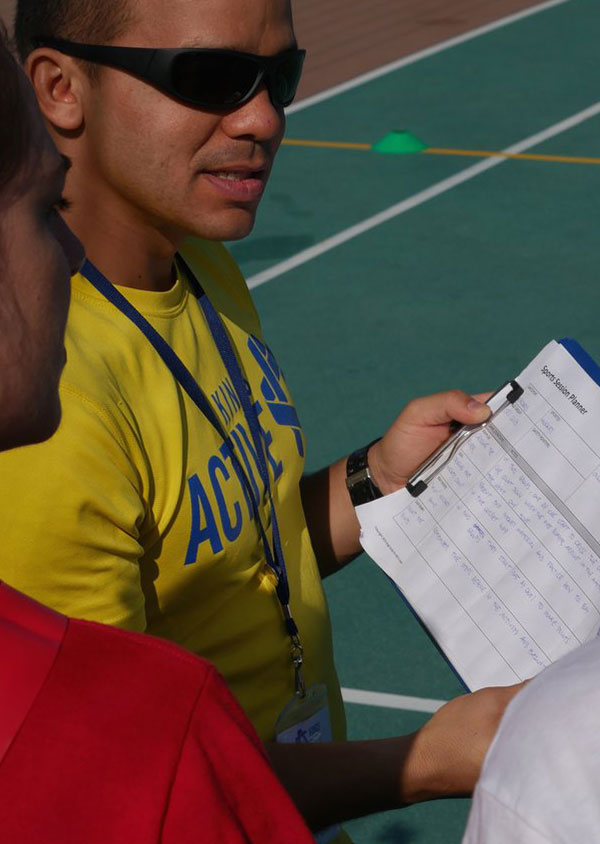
360,483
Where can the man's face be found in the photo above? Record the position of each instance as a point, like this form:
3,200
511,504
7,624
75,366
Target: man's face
38,253
176,167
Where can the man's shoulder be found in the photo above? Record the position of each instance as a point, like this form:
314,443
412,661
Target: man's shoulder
222,280
138,652
104,652
139,657
103,350
94,339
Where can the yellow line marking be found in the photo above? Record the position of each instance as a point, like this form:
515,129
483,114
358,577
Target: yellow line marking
471,153
523,156
329,144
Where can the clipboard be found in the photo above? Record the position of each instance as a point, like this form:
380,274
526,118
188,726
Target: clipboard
585,360
507,395
497,551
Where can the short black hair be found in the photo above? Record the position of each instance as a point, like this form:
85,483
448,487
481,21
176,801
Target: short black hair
15,120
88,21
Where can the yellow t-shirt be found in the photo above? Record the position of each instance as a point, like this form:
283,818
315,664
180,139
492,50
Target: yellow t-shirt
133,514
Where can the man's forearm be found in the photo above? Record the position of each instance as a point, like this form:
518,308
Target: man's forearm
334,782
331,783
331,518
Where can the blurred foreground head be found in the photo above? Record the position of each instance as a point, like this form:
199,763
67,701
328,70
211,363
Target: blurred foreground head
37,255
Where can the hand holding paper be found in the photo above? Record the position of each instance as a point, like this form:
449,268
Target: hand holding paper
421,427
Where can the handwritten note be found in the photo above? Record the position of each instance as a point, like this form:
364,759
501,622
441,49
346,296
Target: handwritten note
500,555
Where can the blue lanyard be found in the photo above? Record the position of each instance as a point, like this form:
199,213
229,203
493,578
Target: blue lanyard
274,557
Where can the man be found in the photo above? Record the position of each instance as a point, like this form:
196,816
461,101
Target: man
171,500
77,761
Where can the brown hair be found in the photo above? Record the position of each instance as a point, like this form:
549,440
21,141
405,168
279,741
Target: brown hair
15,122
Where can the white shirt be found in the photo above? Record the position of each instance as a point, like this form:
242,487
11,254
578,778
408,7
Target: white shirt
541,777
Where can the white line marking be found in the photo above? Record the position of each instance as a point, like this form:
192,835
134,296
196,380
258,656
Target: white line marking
422,54
387,701
419,198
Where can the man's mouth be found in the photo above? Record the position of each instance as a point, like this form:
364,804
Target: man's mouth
236,175
240,185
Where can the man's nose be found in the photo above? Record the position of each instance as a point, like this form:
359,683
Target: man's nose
258,118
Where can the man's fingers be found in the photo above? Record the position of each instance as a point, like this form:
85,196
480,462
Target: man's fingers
442,408
421,427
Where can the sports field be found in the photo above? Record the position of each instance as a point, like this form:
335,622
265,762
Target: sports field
380,277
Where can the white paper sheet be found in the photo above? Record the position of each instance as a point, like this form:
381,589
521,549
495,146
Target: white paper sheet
500,556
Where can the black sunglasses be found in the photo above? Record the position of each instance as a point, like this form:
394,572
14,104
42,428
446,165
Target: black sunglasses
207,78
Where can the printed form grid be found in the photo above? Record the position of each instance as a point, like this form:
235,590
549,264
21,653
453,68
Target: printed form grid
491,493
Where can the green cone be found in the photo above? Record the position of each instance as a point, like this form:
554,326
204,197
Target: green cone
399,143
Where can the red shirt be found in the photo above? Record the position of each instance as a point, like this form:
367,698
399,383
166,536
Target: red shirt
132,740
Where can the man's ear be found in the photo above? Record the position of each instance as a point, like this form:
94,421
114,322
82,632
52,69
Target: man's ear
59,84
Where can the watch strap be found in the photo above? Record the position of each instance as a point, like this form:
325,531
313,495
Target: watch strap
359,481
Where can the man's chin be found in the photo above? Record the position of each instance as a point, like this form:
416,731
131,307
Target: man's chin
238,235
234,224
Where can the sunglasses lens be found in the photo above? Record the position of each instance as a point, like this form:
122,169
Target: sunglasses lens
221,79
217,80
284,78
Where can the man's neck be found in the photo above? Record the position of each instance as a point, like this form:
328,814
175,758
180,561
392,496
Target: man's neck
133,267
129,250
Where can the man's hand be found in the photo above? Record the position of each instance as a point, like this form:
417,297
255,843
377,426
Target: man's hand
448,751
423,426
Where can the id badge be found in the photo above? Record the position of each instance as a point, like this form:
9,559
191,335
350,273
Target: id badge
304,721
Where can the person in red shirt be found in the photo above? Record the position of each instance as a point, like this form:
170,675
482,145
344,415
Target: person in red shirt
105,736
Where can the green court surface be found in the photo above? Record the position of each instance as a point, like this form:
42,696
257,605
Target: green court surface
461,290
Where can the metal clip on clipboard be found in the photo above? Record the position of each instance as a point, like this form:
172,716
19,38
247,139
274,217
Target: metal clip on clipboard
418,483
